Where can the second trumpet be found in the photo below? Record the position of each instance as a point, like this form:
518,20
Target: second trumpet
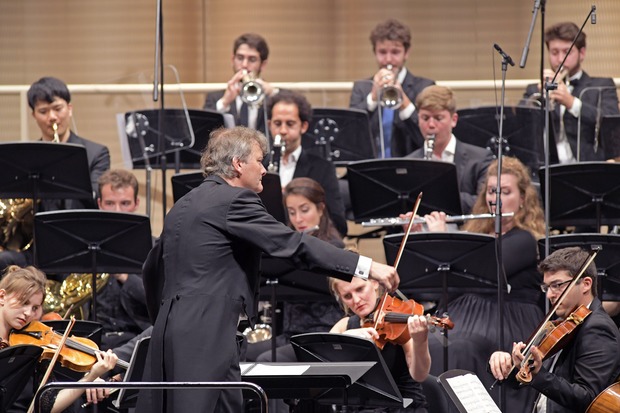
252,91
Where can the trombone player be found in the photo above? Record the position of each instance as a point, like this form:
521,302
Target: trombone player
391,41
245,90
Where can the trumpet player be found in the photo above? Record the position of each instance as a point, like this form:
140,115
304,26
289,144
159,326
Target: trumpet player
437,117
390,44
569,103
249,58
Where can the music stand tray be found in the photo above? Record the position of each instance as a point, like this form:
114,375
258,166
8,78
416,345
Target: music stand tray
467,392
189,136
586,193
607,261
375,388
522,129
388,187
44,170
434,265
343,135
302,380
17,366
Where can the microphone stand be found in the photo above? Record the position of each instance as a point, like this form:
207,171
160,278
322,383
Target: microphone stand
552,85
501,276
158,87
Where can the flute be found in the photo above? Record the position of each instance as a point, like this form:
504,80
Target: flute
392,222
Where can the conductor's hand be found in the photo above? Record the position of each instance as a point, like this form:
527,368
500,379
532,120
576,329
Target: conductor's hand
385,275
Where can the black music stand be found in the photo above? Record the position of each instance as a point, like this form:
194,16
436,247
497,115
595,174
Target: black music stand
303,380
471,391
389,187
96,241
186,133
184,182
610,136
127,398
583,194
17,366
341,135
375,388
522,129
607,261
41,170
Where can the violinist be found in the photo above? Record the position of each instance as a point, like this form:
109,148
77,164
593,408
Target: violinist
409,363
590,362
22,292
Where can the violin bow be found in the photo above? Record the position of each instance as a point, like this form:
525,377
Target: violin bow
403,243
48,372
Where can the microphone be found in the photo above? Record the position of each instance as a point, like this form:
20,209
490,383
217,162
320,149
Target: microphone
593,15
504,55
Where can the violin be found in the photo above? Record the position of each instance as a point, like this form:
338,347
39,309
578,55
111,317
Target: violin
78,353
390,320
557,336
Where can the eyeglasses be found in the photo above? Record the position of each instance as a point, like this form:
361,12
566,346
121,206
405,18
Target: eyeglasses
555,287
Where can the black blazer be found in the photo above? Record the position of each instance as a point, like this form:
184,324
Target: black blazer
211,102
590,143
406,135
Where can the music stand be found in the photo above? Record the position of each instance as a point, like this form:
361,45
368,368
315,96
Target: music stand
522,129
607,261
127,398
610,136
388,187
185,182
467,392
187,133
99,241
44,170
375,388
17,367
342,135
583,194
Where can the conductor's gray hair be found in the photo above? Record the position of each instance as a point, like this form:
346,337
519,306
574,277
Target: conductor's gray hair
225,145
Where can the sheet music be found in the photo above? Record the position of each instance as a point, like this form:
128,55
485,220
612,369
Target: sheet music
275,370
472,394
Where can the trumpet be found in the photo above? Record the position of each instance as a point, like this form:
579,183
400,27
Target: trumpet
393,222
390,97
56,137
252,91
277,151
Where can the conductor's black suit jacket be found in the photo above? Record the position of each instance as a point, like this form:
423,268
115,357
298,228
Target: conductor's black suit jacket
203,273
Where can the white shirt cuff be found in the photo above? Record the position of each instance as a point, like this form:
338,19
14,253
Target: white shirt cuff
371,104
407,112
219,106
363,267
576,109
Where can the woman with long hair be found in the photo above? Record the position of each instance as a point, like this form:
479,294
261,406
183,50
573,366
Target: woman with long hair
22,291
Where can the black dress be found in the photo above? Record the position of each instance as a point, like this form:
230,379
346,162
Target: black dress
475,334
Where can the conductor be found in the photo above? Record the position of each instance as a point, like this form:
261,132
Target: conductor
203,274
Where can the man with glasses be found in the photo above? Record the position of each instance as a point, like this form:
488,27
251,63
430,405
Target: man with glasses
590,362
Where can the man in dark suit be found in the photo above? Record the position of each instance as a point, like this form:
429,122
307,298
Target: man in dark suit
204,273
50,102
289,115
578,97
437,117
589,363
250,54
390,43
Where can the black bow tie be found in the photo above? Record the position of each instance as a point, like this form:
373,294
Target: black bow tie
574,82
